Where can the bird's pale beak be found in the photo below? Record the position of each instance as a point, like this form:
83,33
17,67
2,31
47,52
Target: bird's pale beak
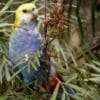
35,13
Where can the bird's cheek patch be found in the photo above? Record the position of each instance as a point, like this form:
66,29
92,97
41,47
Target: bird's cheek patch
26,18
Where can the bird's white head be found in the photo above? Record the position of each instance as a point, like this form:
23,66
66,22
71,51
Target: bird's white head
25,13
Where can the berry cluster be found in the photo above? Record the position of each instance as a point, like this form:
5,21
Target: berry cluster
56,18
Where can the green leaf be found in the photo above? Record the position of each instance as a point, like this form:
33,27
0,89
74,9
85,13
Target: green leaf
15,74
71,55
7,73
97,69
95,79
63,96
36,57
1,70
33,65
19,63
53,97
5,24
6,7
96,62
77,88
63,55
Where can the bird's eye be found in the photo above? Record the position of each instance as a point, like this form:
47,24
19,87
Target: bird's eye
33,9
24,11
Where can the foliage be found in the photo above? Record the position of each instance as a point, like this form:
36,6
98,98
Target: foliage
78,64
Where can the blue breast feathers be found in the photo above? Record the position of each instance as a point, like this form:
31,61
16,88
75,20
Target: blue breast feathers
24,39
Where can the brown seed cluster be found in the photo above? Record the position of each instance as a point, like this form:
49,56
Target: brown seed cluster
56,18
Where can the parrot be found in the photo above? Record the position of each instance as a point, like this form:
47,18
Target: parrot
25,41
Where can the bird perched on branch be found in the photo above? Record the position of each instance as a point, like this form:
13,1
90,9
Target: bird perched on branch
24,45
